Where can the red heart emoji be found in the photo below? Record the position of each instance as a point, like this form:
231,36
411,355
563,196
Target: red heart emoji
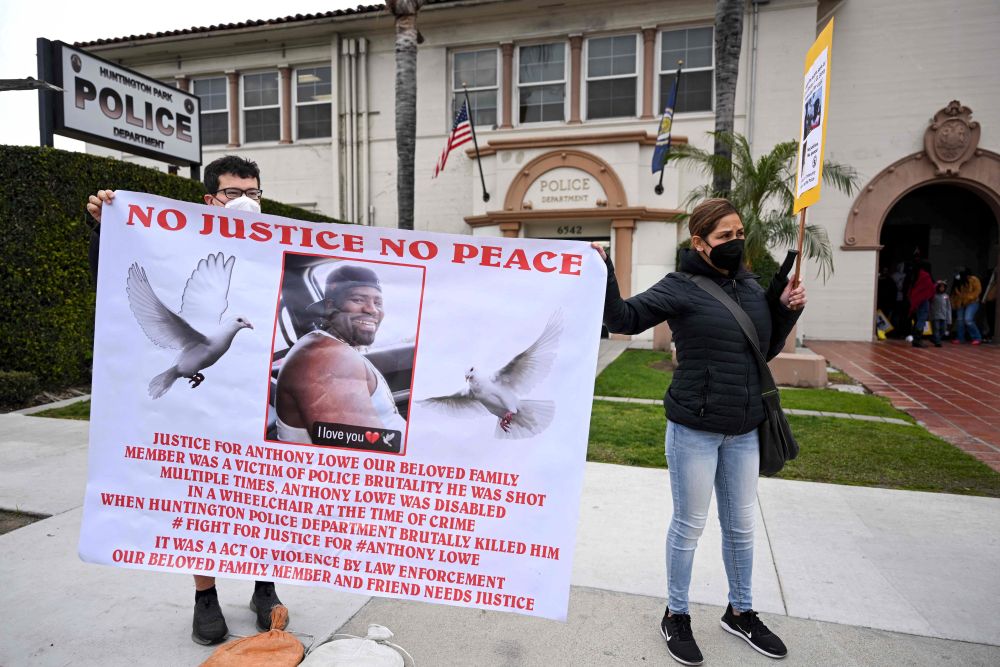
372,437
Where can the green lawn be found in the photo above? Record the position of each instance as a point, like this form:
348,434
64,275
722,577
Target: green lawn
633,374
640,374
79,410
830,400
837,451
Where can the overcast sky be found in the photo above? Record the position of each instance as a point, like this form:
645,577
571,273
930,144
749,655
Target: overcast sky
22,21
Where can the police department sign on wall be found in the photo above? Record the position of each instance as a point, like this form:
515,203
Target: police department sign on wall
113,106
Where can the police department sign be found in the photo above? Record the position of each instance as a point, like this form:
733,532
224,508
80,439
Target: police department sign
113,106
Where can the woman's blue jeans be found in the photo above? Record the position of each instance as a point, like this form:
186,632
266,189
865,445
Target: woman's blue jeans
700,461
966,319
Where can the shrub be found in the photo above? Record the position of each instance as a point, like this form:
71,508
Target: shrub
17,387
46,293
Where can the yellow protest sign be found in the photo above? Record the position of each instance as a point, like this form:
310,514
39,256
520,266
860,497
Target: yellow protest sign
815,102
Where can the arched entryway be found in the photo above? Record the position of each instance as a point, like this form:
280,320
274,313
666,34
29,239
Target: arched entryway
946,225
943,201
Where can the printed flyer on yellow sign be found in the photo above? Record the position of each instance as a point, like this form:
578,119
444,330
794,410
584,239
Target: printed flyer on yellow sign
815,102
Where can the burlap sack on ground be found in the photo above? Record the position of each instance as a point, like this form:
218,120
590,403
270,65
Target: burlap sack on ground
274,648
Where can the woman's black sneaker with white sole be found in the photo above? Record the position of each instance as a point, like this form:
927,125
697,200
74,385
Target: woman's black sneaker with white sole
751,629
676,630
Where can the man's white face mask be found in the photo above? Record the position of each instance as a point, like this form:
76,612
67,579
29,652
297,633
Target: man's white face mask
244,203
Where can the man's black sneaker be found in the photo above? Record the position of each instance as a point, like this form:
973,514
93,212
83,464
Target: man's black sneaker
751,629
209,625
676,630
263,600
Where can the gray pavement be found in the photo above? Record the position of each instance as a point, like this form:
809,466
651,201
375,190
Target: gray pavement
846,575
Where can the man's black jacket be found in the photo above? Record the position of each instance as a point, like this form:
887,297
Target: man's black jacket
716,386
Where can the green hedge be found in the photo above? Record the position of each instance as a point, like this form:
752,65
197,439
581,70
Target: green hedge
16,388
46,292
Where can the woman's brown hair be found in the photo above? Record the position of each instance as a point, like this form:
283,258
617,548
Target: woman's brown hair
707,214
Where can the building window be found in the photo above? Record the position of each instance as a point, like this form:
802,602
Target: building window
541,82
695,47
214,110
611,77
313,97
477,71
261,112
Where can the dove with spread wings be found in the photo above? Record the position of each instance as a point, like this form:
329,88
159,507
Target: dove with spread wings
501,393
197,330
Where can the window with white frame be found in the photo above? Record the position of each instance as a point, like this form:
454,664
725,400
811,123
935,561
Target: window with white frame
313,97
541,82
214,97
261,110
477,72
695,47
612,77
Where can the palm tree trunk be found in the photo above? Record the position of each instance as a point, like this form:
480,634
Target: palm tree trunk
728,38
406,105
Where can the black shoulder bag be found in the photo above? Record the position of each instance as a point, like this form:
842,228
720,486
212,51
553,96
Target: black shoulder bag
777,444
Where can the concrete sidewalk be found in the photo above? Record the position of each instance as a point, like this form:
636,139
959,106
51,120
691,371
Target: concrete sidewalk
846,575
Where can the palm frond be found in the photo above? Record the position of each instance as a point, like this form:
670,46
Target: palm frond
763,192
841,176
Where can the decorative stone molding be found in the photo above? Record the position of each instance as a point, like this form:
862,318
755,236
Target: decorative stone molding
494,146
233,80
593,165
951,144
951,138
506,85
527,215
575,48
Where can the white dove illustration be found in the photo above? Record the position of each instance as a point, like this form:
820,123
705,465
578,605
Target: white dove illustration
500,393
198,330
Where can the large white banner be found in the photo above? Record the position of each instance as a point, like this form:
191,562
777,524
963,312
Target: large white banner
388,412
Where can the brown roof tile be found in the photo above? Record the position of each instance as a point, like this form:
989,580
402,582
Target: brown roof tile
360,9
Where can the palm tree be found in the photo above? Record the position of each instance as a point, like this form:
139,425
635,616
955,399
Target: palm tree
728,39
763,192
407,37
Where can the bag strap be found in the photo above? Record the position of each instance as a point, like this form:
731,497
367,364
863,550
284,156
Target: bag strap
746,324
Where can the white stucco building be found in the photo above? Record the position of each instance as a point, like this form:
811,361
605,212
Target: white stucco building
566,97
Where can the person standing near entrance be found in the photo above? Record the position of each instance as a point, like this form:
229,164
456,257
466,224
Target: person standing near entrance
714,407
965,293
920,295
940,314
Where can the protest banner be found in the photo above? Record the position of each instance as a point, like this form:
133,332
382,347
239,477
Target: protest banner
387,412
815,102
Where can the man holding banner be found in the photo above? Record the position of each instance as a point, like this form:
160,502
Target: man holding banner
234,183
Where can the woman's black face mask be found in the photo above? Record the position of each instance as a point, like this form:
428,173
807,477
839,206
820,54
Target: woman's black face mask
728,256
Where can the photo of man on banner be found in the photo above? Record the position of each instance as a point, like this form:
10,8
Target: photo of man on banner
325,388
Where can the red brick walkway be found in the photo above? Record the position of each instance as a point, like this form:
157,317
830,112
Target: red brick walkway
954,390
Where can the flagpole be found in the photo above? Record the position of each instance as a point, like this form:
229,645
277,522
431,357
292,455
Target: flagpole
677,82
475,142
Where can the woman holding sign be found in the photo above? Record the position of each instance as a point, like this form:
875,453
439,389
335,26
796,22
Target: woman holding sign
714,407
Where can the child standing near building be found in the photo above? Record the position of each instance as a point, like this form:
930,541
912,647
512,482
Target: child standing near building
940,312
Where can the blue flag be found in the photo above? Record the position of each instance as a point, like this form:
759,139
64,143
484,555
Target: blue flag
666,122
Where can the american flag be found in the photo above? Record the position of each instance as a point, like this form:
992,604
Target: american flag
461,133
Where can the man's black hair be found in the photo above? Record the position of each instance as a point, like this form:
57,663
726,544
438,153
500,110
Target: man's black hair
229,164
